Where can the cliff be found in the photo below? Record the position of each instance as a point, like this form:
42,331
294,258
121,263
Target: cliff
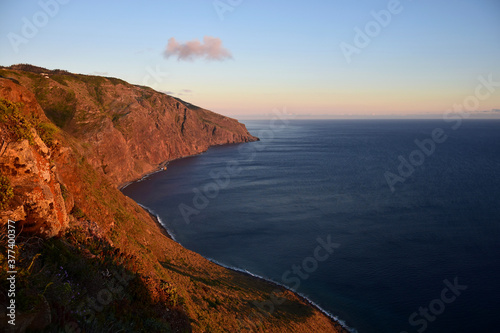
89,258
130,129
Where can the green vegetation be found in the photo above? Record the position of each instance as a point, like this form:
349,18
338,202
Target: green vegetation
88,284
7,75
47,132
116,81
19,126
64,191
94,87
14,122
61,79
29,68
59,104
6,192
78,213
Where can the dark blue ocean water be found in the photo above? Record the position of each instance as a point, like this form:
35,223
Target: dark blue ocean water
262,206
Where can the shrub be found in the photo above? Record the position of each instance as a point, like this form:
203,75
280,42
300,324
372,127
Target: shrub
58,104
16,124
6,192
47,132
78,213
64,191
59,79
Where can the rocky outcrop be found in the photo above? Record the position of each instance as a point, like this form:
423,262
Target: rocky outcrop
38,203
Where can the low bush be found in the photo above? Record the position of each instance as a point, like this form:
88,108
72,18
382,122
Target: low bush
6,192
14,122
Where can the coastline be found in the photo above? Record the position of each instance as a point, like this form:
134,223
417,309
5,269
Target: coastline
163,165
337,322
159,222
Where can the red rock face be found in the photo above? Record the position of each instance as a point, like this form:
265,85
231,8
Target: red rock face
38,204
143,135
129,130
121,130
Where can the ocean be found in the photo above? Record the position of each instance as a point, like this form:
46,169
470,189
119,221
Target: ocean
388,225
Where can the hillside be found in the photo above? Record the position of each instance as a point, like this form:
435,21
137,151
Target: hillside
130,129
88,258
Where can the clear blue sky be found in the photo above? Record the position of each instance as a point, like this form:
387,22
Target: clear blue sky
284,53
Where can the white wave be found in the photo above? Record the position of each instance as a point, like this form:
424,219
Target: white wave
152,212
241,270
162,168
328,314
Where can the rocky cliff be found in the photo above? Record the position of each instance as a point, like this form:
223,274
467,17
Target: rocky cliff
129,129
25,162
67,141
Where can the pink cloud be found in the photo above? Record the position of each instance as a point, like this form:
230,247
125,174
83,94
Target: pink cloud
211,49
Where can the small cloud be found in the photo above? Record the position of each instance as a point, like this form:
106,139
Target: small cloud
187,91
211,49
101,73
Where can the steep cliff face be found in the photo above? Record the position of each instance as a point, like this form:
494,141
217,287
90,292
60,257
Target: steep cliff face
111,259
25,160
130,129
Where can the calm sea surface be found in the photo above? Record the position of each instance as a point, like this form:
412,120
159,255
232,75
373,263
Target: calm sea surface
422,256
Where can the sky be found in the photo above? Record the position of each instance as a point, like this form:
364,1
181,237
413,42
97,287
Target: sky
244,59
